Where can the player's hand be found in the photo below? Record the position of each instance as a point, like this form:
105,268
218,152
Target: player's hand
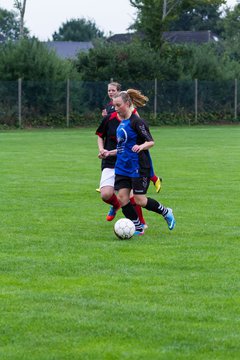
136,148
103,154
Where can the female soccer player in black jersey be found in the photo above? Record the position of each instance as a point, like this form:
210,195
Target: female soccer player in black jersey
113,89
107,141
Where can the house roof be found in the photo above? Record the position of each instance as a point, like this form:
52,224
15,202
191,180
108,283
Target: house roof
68,49
198,37
127,37
176,37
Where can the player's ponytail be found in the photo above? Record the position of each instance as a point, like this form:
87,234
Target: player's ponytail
137,98
134,97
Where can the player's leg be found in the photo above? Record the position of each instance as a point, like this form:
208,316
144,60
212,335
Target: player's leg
153,205
107,192
138,210
109,197
123,186
157,181
140,186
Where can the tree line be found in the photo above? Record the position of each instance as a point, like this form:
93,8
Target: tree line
145,57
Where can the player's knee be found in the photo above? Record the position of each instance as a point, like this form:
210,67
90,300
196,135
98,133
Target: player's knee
106,195
140,200
123,200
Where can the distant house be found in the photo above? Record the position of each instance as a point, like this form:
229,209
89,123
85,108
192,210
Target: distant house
125,38
68,49
186,37
175,37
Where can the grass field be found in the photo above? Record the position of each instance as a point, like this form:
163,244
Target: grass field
71,290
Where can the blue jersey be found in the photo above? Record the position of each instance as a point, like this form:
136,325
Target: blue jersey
131,164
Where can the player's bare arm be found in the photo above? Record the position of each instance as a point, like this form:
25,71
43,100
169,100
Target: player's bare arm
145,146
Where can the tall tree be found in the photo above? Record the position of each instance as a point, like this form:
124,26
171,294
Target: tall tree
202,15
77,30
21,6
149,20
154,17
10,25
168,7
231,22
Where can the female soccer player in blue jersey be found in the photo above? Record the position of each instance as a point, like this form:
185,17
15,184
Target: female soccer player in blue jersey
133,167
107,141
113,89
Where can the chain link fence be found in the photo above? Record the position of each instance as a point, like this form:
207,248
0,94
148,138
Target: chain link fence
79,103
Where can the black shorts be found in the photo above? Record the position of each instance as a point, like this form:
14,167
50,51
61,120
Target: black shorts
138,185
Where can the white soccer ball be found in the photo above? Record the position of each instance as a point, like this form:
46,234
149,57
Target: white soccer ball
124,228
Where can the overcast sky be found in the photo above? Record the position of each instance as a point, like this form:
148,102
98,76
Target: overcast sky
44,17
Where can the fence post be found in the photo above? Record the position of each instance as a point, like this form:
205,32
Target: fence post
235,99
155,98
20,103
68,101
196,101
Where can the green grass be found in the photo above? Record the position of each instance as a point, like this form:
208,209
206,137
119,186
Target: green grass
71,290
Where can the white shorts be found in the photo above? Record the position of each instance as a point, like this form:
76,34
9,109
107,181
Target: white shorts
107,178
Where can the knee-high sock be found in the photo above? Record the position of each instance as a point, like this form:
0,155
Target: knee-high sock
138,210
154,205
154,178
113,201
130,213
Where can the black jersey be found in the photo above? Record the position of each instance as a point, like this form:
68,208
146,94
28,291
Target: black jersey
110,108
107,131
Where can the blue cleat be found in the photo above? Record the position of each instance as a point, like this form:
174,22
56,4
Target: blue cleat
111,214
139,232
169,217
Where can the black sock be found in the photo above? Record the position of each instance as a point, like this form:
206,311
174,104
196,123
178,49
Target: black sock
154,205
130,213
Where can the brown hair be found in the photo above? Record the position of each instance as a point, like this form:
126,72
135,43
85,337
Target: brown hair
116,84
135,97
